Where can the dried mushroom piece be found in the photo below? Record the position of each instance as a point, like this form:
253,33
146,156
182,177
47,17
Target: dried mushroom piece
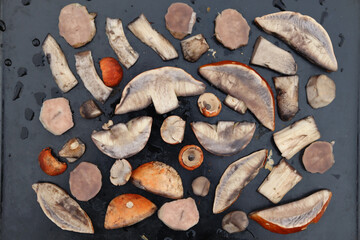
120,172
89,109
235,104
180,19
194,47
172,130
318,157
72,150
320,91
236,221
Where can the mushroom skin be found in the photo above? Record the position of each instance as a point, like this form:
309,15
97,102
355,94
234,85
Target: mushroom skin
200,186
318,157
194,47
236,221
89,109
120,172
49,164
172,130
180,19
320,91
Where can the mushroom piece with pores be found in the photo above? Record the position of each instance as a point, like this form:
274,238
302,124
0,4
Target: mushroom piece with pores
209,105
180,19
172,130
320,91
120,172
201,186
72,150
318,157
236,221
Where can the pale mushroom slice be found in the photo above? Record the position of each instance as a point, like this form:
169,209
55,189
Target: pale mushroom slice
119,43
318,157
172,130
320,91
89,109
236,176
180,19
209,105
268,55
236,221
120,172
72,150
92,82
194,47
224,139
302,33
200,186
124,140
235,104
76,25
60,70
160,86
142,29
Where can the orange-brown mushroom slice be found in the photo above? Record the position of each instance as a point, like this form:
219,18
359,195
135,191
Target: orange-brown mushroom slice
128,209
209,105
191,157
172,130
318,157
49,164
180,19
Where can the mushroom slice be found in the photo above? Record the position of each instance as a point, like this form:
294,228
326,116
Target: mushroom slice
194,47
320,91
172,130
209,105
201,186
295,137
318,157
92,82
236,176
124,140
72,150
245,84
191,157
119,43
268,55
158,178
60,70
236,104
294,216
61,209
302,33
142,29
128,209
180,19
76,25
224,139
49,164
236,221
120,172
90,109
231,29
160,86
287,90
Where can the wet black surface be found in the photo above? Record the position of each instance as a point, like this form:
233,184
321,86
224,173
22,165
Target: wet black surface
22,217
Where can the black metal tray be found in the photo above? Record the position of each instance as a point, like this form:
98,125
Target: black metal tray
22,217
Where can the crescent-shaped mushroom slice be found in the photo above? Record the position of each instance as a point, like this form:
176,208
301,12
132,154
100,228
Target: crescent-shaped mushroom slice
244,83
294,216
236,176
302,33
160,86
61,209
124,140
225,138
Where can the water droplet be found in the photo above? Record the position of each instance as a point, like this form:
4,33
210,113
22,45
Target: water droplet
21,71
24,133
2,26
55,92
8,62
192,1
29,114
198,19
25,2
279,4
17,90
321,2
39,97
38,60
36,42
190,234
342,69
342,39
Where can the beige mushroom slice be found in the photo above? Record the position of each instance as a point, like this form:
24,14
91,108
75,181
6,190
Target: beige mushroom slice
142,29
318,157
124,140
59,66
160,86
119,43
172,130
72,150
89,109
302,33
236,176
224,139
61,209
201,186
108,125
194,47
235,104
231,29
236,221
268,55
320,91
180,19
209,105
120,172
76,25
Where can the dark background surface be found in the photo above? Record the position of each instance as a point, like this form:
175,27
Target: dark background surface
22,217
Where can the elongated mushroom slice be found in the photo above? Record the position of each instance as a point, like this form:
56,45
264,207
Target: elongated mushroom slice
128,209
268,55
194,47
320,91
142,29
60,70
124,140
245,84
72,150
302,33
89,109
287,90
120,172
180,19
282,178
158,178
295,137
236,104
172,130
61,209
92,82
294,216
160,86
225,138
318,157
236,176
119,43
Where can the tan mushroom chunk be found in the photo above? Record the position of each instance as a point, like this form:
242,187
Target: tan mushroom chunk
72,150
172,130
180,19
320,91
201,186
236,221
89,109
318,157
120,172
235,104
194,47
209,105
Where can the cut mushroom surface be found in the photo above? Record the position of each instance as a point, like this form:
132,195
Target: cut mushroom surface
209,105
318,157
59,66
124,140
180,19
172,130
235,104
160,86
236,221
201,186
320,91
302,33
194,47
120,172
225,138
142,29
89,109
72,150
191,157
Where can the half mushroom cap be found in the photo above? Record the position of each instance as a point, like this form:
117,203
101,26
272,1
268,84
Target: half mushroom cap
124,140
225,138
180,19
172,130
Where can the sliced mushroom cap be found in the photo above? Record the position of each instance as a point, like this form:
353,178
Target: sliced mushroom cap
172,130
180,19
160,86
302,33
76,25
89,109
124,140
209,104
235,104
191,157
201,186
236,221
120,172
72,150
225,138
320,91
194,47
318,157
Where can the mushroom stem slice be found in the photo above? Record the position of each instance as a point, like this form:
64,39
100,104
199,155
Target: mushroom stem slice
92,82
194,47
60,70
236,104
209,105
119,43
302,33
142,29
236,221
320,91
89,109
201,186
172,130
318,157
180,19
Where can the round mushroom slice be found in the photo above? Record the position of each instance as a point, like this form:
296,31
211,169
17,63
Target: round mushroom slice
191,157
201,186
320,91
180,19
120,172
318,157
209,104
234,222
172,130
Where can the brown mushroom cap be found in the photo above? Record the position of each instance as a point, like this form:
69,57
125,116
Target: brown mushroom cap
318,157
236,221
180,19
209,104
120,172
172,130
201,186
